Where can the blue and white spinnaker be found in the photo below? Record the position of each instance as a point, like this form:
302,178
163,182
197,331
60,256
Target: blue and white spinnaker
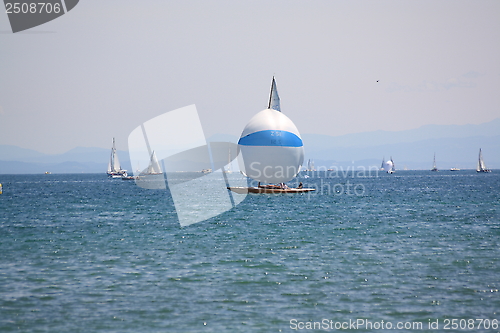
270,145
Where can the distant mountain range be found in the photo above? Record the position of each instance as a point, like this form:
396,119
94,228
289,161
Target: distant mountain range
454,146
77,160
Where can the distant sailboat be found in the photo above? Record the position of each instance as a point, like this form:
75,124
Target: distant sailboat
310,165
389,166
481,167
152,173
434,167
382,166
271,149
154,166
114,168
229,160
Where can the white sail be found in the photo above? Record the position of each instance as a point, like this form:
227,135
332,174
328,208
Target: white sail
153,167
388,166
274,99
481,167
116,162
310,165
271,147
110,170
111,162
480,161
114,167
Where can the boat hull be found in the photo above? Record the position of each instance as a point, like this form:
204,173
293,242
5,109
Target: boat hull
264,190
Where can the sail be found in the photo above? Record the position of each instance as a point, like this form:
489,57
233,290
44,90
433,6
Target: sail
114,162
479,162
481,167
310,165
388,166
274,99
154,166
110,170
383,163
271,147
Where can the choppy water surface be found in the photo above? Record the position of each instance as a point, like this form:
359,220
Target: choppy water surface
82,253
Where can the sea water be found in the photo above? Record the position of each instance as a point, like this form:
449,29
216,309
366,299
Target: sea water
411,251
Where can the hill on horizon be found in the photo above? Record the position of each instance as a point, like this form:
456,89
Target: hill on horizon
454,146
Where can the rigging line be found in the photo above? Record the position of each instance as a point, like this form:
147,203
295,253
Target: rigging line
146,139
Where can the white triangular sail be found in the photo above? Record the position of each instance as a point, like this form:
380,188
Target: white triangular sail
153,167
310,165
110,169
116,162
274,99
481,167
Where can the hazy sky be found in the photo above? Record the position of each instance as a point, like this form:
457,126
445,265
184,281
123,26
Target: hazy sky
107,66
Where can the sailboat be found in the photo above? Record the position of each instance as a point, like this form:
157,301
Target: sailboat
389,166
382,166
481,167
434,167
153,169
310,165
154,166
271,150
114,168
229,168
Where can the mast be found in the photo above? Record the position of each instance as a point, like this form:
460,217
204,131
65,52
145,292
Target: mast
434,167
229,168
